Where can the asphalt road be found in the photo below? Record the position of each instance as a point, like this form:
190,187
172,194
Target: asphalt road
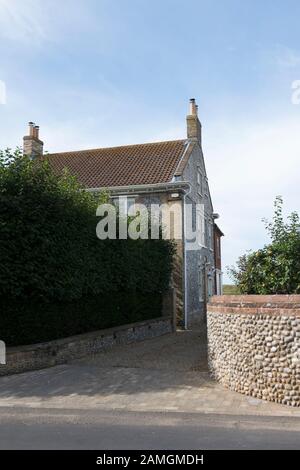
91,429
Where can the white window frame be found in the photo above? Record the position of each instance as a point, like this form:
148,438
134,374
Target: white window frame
124,203
218,246
210,286
210,235
200,225
201,280
200,182
219,282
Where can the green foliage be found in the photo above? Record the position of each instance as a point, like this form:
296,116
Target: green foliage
274,269
52,263
31,322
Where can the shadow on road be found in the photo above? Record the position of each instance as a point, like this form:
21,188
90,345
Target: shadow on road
177,361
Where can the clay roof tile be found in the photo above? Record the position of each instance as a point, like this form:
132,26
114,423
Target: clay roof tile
121,166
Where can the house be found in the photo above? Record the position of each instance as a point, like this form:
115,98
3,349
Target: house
171,173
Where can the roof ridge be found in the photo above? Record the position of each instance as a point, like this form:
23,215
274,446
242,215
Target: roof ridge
116,147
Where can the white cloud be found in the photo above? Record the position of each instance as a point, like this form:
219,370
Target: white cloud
34,22
2,92
286,57
248,164
169,133
22,20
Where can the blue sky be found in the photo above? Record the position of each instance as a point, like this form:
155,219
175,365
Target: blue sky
97,73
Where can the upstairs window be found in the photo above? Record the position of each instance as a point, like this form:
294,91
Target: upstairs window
123,203
200,182
210,235
201,225
218,246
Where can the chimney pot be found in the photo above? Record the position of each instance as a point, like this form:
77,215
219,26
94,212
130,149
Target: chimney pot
36,131
31,128
193,107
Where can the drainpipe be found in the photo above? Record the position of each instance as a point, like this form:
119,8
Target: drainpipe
186,193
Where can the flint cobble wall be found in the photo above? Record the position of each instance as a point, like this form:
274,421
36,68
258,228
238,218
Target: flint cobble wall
38,356
254,345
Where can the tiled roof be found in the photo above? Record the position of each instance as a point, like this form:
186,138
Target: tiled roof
122,166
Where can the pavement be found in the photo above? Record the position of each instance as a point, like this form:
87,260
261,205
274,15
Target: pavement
137,390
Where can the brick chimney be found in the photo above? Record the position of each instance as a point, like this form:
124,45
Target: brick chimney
32,145
193,123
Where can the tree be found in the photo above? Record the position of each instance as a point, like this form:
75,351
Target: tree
274,269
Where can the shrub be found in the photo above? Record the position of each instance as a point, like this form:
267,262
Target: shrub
56,277
32,322
274,269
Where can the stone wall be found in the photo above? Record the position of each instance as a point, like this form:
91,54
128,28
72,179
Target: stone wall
38,356
254,345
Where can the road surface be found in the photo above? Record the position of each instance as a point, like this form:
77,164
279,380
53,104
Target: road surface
122,430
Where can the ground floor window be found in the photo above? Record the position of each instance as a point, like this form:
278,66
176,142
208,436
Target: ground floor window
201,283
219,282
210,286
205,282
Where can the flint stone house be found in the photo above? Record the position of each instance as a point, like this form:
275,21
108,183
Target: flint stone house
171,173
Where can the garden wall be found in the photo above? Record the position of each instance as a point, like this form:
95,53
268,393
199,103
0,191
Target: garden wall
38,356
254,345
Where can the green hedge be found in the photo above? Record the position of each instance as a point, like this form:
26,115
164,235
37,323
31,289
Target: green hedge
56,277
33,322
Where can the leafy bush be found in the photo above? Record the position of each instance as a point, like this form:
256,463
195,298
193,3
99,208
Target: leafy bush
56,277
32,322
274,269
